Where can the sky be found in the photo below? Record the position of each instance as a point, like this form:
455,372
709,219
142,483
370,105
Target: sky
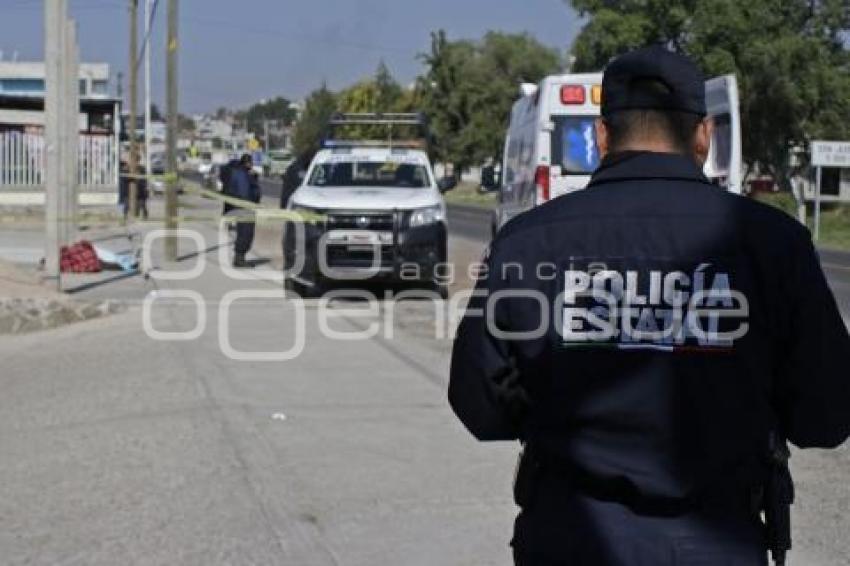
236,52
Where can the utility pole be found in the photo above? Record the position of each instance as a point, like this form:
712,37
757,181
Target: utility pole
147,48
134,77
71,134
172,47
266,132
55,13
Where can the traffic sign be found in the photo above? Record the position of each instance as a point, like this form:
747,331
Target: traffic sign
830,154
826,154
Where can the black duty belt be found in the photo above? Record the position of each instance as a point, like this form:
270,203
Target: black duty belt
621,490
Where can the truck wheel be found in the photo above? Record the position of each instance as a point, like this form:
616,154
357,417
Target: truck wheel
439,287
314,291
443,290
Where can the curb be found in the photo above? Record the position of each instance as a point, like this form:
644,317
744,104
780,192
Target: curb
23,316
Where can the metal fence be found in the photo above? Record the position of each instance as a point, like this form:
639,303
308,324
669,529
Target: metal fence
23,159
98,164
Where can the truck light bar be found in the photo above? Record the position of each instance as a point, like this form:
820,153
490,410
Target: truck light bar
389,121
375,119
400,144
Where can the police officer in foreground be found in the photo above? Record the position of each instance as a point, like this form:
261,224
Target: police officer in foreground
652,341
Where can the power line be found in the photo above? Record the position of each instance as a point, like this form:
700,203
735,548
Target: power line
147,38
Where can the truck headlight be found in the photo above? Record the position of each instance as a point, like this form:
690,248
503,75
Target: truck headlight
427,215
302,209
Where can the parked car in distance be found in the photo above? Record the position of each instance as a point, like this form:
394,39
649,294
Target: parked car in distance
277,160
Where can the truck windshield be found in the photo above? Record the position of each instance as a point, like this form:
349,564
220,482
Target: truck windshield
574,145
369,174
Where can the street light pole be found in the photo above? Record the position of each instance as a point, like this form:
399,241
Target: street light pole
134,74
148,117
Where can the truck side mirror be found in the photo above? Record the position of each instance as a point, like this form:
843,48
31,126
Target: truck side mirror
490,180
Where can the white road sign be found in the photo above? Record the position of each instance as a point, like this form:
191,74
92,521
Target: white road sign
830,154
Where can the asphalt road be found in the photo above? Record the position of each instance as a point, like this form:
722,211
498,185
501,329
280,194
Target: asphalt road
118,448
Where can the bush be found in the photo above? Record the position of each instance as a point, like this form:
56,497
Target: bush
782,201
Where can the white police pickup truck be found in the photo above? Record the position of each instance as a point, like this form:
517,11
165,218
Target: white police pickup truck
373,211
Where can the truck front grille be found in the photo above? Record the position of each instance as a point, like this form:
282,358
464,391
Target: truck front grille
374,221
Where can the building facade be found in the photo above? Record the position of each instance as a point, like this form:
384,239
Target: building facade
22,145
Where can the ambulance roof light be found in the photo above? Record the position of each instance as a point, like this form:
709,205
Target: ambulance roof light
572,94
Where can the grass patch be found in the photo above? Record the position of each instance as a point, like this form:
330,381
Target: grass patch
834,226
467,193
834,218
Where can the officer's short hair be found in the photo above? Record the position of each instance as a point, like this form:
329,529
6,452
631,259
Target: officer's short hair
675,126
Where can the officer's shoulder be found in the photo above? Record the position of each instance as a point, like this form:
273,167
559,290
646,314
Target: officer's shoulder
769,219
530,221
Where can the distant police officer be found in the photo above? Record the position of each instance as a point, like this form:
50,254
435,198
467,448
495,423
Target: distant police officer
243,184
645,338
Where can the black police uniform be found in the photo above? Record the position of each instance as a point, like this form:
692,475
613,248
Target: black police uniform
649,417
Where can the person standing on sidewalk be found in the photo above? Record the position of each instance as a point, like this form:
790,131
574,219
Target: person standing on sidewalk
124,192
244,185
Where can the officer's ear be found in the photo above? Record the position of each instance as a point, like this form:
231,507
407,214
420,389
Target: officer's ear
702,140
601,128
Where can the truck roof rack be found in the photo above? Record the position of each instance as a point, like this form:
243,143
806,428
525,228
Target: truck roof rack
413,124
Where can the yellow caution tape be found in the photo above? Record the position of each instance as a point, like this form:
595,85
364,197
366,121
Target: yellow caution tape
168,177
263,212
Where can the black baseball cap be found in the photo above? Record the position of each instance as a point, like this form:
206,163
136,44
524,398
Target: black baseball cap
677,83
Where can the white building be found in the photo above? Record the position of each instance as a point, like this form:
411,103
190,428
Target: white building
210,128
27,79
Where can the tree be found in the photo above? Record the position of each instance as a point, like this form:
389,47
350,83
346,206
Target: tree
389,92
278,111
185,123
156,115
380,94
789,56
310,129
469,88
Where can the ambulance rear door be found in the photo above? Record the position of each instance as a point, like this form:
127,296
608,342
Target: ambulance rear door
724,163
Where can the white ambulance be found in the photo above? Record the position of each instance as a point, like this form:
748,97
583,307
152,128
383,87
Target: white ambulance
550,148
